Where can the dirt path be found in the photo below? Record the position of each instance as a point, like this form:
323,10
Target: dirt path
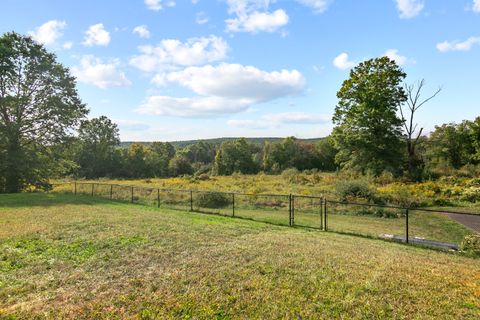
472,222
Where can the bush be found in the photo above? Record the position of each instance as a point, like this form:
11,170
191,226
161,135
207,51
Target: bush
354,189
290,175
213,200
471,245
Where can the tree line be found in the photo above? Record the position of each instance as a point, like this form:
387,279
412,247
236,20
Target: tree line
44,132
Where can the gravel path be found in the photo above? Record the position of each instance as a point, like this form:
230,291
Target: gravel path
470,221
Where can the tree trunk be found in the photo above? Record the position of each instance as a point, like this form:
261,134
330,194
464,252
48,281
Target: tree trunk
13,165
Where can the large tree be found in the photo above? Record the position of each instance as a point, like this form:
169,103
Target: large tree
39,106
368,130
97,155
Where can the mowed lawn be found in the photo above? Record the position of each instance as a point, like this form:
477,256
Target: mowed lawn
81,257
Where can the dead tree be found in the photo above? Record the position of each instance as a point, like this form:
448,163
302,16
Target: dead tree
414,102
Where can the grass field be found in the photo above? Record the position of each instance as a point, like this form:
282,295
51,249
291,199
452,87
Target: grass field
82,257
275,209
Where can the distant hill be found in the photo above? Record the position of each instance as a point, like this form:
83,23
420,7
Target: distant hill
185,143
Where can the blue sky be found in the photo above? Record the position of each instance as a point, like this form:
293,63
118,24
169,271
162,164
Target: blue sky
188,69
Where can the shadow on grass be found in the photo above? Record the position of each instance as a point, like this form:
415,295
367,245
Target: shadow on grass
41,199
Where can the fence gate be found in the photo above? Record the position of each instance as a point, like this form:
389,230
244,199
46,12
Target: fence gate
307,211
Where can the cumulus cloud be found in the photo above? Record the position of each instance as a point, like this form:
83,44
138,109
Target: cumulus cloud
142,31
318,6
456,45
48,32
342,61
157,5
277,119
195,107
409,8
395,56
258,21
172,52
96,35
222,89
103,75
253,16
235,81
476,6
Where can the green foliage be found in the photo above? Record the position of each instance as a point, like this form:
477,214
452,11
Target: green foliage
368,129
179,165
98,138
354,189
213,200
471,244
235,156
39,106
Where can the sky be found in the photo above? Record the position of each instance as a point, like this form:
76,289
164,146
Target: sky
167,70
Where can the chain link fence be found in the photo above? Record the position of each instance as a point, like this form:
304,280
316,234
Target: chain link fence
433,228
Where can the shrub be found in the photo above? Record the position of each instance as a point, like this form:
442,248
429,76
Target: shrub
471,194
354,189
471,245
213,200
290,175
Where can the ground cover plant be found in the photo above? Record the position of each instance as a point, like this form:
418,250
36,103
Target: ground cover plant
87,257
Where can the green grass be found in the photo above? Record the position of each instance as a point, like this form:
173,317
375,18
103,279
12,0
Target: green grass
80,257
274,209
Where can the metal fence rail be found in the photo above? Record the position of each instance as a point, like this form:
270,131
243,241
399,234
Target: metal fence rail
435,228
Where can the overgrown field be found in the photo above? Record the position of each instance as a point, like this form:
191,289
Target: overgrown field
82,257
447,192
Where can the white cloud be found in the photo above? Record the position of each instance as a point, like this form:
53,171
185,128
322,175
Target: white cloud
67,45
258,21
96,35
201,18
409,8
318,6
223,89
171,52
196,107
48,32
142,31
476,6
395,56
103,75
157,5
235,81
342,62
456,45
277,119
253,16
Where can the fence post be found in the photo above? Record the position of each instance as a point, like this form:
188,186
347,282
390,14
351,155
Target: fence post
290,210
111,191
75,188
93,185
293,210
325,214
191,200
158,198
406,225
321,213
131,189
233,204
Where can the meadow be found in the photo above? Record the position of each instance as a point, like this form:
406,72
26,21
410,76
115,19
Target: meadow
65,256
263,205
